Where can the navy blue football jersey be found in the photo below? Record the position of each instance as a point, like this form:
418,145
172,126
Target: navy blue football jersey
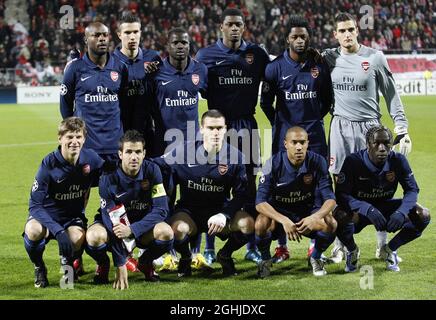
292,190
303,94
143,197
361,184
234,77
96,95
59,190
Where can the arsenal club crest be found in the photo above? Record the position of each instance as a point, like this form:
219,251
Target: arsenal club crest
86,169
390,176
222,169
249,57
145,185
365,66
307,178
314,72
195,79
114,76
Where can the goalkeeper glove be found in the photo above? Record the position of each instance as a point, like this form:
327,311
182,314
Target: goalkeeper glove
404,141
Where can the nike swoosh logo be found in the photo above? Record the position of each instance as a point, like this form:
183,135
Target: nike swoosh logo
192,165
219,62
120,195
363,178
284,78
281,184
86,78
60,180
166,82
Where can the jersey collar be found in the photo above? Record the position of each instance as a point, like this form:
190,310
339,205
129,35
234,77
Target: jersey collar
109,63
58,155
172,70
368,163
290,167
126,59
226,49
129,180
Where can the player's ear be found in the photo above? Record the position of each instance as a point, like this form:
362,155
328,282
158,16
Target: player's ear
120,154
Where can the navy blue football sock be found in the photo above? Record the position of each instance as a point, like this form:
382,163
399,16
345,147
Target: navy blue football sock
316,254
98,254
264,244
322,241
345,234
251,245
196,243
182,247
155,249
35,249
282,240
210,242
236,241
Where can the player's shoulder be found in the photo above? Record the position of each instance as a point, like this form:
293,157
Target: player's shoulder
397,158
49,161
150,55
369,52
150,167
90,155
74,65
315,158
207,51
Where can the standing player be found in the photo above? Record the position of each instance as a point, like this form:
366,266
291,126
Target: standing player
365,189
235,69
207,172
94,88
58,197
175,88
138,100
295,197
137,187
358,74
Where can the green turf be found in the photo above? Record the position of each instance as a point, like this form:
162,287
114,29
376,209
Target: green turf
23,125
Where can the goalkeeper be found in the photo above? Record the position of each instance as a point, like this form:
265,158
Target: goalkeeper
358,74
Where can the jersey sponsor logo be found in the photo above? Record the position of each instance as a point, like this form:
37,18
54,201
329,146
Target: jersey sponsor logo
114,76
365,66
85,78
63,90
314,72
102,203
219,62
145,185
35,186
249,57
195,79
222,169
286,77
341,178
308,178
390,176
86,169
164,83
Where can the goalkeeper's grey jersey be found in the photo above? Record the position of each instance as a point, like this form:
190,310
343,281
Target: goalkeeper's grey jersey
357,79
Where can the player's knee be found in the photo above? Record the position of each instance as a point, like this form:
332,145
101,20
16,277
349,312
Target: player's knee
245,223
331,223
261,225
424,216
96,236
77,237
341,217
181,229
34,230
163,232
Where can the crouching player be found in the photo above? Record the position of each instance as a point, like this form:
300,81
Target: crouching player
295,197
58,199
365,189
137,186
206,180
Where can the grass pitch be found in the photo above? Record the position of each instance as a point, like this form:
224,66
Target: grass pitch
28,133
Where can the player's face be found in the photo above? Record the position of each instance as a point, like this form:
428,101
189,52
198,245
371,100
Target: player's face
71,143
379,147
232,28
296,144
298,40
213,131
131,156
178,46
97,40
130,34
346,33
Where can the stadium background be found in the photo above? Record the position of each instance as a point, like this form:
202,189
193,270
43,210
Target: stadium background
33,52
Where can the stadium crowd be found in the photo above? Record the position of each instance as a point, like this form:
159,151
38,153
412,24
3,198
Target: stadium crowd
37,48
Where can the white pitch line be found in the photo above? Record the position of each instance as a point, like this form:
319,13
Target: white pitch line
30,144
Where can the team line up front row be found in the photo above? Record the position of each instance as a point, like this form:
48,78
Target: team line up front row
294,197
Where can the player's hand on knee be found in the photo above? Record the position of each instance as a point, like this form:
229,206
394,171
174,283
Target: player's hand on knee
306,225
216,223
122,231
396,221
376,218
121,279
291,231
64,243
